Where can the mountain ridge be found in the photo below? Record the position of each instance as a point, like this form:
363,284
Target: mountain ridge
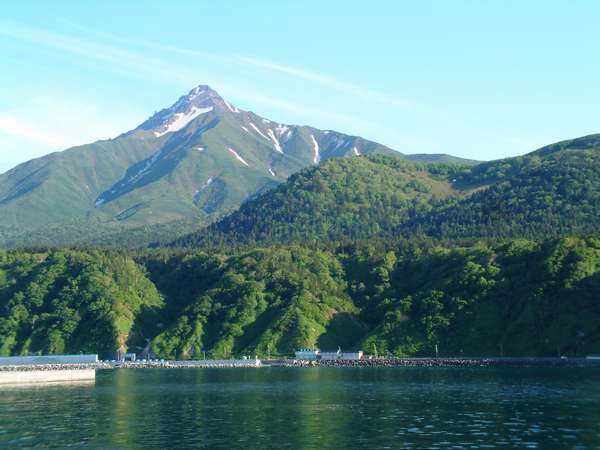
193,161
552,191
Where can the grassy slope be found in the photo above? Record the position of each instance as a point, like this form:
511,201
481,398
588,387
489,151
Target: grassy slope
65,185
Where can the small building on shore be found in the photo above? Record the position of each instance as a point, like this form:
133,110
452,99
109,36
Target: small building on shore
307,354
331,356
317,355
354,356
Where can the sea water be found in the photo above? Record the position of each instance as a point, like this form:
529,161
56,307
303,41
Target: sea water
309,408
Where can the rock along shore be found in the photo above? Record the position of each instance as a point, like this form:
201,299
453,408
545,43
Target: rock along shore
454,362
379,362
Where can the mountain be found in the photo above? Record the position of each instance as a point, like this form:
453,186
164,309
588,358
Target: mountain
185,166
553,191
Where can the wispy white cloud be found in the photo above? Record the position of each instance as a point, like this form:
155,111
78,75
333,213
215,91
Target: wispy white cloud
130,57
152,45
296,72
44,122
145,66
16,126
332,83
118,57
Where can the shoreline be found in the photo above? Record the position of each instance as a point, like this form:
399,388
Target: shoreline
366,363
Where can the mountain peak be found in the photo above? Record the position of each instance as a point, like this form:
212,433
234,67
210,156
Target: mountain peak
200,100
204,96
202,92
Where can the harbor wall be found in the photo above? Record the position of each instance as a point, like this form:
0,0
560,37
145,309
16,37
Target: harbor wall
52,359
46,376
216,363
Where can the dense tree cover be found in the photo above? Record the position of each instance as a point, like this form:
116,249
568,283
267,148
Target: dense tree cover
264,301
517,297
494,171
551,196
551,192
352,198
99,232
70,301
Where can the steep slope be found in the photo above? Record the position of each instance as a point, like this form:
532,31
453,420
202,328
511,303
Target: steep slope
189,163
550,192
343,199
65,185
266,301
518,298
68,301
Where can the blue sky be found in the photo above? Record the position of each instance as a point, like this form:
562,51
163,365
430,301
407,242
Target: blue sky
478,79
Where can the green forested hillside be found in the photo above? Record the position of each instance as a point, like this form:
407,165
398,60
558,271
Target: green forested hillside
343,199
261,301
553,191
369,252
553,195
519,297
71,301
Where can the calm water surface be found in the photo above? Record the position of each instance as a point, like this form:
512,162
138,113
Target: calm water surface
310,408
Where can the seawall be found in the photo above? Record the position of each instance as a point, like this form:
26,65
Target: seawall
46,376
50,359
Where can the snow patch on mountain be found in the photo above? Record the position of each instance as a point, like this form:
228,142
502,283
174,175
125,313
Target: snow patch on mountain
179,121
271,172
237,156
317,158
355,151
149,163
197,91
133,178
339,141
258,131
204,186
231,108
281,129
275,141
208,183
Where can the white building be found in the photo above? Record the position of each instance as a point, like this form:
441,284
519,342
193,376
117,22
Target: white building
314,354
329,356
352,355
307,354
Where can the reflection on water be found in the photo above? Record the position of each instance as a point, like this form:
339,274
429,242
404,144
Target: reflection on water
310,408
31,385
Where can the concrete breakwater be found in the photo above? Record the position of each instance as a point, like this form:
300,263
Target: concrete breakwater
9,377
42,373
188,364
454,362
51,373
